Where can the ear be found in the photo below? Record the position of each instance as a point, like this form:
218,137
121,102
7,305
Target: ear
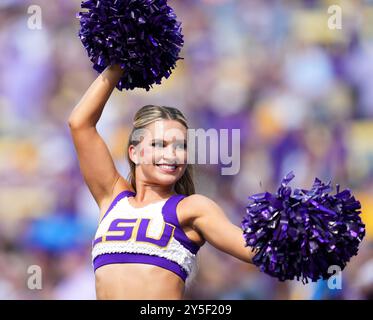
132,153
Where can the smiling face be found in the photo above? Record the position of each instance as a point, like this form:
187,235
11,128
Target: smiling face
161,156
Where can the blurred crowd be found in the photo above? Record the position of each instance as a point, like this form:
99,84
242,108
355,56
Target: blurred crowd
299,90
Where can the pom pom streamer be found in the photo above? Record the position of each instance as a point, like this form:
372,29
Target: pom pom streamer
143,36
301,235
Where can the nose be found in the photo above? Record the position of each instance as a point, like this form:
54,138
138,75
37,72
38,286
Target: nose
169,153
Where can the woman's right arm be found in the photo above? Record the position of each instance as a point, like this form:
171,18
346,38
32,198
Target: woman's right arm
95,161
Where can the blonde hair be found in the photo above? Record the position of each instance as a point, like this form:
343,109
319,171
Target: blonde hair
146,115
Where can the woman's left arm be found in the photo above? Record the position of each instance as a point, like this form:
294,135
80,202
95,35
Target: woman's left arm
212,223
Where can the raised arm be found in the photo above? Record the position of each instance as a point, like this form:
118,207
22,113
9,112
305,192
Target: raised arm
212,223
95,161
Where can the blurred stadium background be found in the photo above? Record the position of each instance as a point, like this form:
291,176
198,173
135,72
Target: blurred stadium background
301,94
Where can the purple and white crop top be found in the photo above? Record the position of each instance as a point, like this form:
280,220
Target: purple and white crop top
150,235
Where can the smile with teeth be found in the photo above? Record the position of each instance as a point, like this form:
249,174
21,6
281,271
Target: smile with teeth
167,167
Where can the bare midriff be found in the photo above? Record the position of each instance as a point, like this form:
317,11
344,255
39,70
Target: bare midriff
134,281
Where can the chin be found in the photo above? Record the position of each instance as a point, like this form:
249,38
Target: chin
167,177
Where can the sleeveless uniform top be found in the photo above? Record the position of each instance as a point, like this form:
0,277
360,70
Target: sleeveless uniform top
149,235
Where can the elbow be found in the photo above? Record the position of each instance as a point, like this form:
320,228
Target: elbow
78,124
72,121
73,124
75,120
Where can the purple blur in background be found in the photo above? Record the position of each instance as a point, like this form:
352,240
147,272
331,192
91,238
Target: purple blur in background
300,93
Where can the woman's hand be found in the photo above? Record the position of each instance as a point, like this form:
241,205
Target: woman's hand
115,70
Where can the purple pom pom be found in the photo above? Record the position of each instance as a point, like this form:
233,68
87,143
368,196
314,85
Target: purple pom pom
142,36
301,235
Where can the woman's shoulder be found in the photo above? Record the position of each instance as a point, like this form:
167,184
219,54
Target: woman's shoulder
198,198
195,204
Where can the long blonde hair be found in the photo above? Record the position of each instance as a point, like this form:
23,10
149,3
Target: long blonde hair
146,115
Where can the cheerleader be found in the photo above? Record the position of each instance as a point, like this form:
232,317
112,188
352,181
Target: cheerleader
151,225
